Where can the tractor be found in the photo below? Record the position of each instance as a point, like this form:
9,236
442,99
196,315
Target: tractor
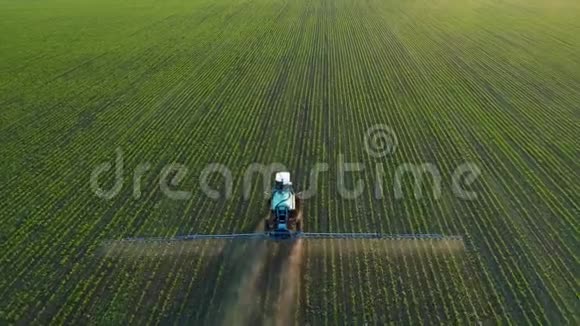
285,209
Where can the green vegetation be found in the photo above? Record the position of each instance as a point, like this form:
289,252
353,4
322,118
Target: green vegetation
496,83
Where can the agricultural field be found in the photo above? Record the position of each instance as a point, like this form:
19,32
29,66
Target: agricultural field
493,85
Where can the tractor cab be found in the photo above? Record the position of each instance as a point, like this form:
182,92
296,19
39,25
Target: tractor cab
283,199
282,181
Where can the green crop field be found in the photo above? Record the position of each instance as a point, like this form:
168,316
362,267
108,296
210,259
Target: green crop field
487,87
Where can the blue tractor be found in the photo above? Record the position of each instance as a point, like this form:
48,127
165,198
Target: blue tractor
285,216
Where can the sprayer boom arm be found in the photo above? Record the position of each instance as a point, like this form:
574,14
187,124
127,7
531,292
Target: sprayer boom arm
377,236
191,237
296,235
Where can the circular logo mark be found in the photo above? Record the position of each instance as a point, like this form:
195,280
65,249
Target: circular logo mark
380,141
